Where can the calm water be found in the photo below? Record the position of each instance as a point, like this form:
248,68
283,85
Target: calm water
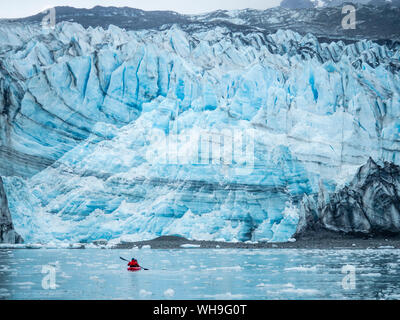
199,274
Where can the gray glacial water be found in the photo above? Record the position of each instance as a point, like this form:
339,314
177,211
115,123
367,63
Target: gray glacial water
199,274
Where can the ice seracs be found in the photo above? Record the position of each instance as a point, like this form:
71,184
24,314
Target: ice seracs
110,133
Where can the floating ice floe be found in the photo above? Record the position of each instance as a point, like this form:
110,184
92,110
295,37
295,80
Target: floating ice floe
190,245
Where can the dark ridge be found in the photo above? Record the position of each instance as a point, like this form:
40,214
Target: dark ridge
7,233
374,22
369,206
170,238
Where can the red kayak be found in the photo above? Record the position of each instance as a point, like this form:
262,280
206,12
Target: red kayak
134,268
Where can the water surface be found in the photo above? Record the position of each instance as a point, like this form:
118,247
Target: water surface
199,274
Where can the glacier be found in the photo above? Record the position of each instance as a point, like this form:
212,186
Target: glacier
210,135
7,232
368,206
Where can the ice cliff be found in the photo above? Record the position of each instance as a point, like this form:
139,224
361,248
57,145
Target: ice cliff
209,135
368,205
7,233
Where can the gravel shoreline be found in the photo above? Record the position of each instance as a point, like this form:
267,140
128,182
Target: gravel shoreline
172,242
317,241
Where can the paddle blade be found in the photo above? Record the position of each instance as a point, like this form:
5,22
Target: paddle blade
144,268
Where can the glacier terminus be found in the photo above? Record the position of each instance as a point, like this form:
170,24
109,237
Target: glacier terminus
208,134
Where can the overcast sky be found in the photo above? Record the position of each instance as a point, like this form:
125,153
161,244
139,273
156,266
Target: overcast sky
24,8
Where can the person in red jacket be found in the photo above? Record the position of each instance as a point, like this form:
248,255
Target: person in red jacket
133,263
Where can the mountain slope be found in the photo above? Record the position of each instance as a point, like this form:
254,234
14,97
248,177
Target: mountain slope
298,4
374,22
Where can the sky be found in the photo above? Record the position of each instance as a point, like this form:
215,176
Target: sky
24,8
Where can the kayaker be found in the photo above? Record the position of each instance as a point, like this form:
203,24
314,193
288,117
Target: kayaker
133,263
